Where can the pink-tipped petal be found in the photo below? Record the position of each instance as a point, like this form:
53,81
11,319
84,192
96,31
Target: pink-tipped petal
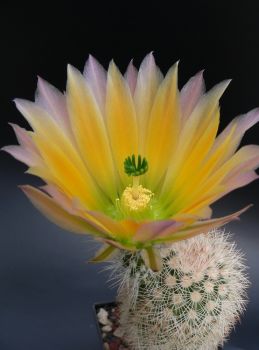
23,138
196,137
247,158
156,229
246,121
148,81
245,161
53,101
57,214
20,154
237,127
203,227
96,77
241,180
191,93
131,76
60,198
27,151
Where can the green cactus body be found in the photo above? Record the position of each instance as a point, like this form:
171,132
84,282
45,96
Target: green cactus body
191,304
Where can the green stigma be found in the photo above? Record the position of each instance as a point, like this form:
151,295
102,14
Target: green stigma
135,168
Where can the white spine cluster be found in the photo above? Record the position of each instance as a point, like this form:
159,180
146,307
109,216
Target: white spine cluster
191,304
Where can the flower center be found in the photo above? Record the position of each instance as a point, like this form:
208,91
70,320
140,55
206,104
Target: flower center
136,198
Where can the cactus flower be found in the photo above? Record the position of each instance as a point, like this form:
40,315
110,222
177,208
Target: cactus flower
130,159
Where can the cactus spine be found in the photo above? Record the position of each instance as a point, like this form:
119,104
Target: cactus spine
191,304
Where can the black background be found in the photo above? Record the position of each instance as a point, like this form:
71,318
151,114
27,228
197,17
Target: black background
46,288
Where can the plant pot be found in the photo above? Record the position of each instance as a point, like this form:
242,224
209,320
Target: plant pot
110,341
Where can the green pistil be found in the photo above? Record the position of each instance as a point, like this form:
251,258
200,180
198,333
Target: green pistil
133,168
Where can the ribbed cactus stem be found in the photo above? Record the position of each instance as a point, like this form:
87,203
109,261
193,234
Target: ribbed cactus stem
192,303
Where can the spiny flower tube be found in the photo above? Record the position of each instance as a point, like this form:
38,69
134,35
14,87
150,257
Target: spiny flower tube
130,159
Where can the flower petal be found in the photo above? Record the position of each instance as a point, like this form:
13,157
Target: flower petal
24,138
182,185
162,129
60,156
213,169
119,245
119,229
56,214
156,229
54,102
205,113
191,94
247,158
60,198
26,152
20,154
220,182
148,81
131,76
236,129
202,227
198,176
201,117
96,78
90,132
205,213
105,253
121,120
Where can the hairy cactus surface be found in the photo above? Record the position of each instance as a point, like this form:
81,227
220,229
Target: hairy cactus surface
191,304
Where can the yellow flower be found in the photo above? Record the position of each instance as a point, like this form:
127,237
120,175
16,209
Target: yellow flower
131,160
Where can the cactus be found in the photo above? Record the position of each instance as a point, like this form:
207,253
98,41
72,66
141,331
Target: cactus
191,304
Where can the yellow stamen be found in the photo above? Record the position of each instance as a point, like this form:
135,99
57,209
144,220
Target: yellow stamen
136,198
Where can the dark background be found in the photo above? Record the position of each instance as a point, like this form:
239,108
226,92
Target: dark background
47,290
